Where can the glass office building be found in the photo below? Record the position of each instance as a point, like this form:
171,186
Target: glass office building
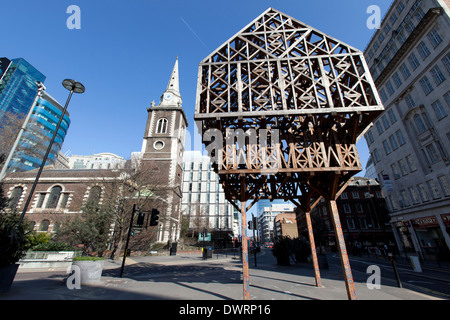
18,87
18,91
36,138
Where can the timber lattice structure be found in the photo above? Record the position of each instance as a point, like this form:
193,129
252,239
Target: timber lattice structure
312,95
280,107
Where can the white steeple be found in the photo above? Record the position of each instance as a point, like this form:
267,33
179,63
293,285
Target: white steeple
172,94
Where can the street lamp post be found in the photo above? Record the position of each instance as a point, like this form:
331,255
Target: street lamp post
72,86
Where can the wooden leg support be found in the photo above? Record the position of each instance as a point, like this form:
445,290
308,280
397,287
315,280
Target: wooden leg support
313,250
351,293
245,273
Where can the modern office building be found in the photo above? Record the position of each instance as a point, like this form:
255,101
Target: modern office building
204,199
37,136
409,58
18,86
266,217
18,90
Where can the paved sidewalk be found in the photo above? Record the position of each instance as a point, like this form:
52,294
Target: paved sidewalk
189,277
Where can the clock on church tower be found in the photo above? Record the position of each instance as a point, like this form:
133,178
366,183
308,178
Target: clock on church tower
162,154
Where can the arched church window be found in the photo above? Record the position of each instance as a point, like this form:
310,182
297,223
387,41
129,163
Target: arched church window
161,126
15,197
94,195
53,200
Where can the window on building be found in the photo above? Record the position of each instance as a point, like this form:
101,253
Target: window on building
379,127
40,200
423,50
376,155
389,87
44,225
359,207
404,198
431,153
437,75
434,37
391,115
346,208
410,101
434,190
420,125
386,147
392,203
344,195
447,99
426,85
383,95
411,164
397,80
414,196
446,62
400,137
422,192
403,168
405,71
94,195
413,61
439,109
161,126
393,18
15,197
355,195
419,14
395,171
400,7
369,137
64,200
385,122
444,185
363,223
350,223
53,199
393,142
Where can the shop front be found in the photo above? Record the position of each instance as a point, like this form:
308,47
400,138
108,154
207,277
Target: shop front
430,238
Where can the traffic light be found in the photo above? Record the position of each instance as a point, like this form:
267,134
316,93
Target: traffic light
140,219
250,225
154,218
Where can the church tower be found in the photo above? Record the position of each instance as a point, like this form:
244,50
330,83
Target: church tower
162,156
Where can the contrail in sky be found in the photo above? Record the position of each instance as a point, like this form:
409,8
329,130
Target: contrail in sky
187,25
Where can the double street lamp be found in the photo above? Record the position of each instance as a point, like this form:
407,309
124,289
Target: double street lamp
72,86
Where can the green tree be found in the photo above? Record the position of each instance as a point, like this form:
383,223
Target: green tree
91,229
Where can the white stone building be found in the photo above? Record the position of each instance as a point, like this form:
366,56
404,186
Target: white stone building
409,58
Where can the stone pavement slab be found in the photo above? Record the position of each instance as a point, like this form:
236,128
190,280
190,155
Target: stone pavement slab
192,278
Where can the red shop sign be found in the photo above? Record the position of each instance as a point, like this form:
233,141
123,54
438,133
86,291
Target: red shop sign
425,222
446,219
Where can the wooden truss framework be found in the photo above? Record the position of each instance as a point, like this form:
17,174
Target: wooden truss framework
299,97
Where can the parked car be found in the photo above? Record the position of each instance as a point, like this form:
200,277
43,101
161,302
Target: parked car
268,245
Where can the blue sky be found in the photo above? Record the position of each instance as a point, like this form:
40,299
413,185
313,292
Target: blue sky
125,51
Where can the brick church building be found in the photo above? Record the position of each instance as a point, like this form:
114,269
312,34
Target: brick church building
151,182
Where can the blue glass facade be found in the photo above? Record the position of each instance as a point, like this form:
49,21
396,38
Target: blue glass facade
18,88
39,132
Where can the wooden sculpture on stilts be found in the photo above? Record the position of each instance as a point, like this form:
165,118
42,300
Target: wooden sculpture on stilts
280,106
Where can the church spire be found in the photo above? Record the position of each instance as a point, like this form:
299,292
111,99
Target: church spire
172,93
174,85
